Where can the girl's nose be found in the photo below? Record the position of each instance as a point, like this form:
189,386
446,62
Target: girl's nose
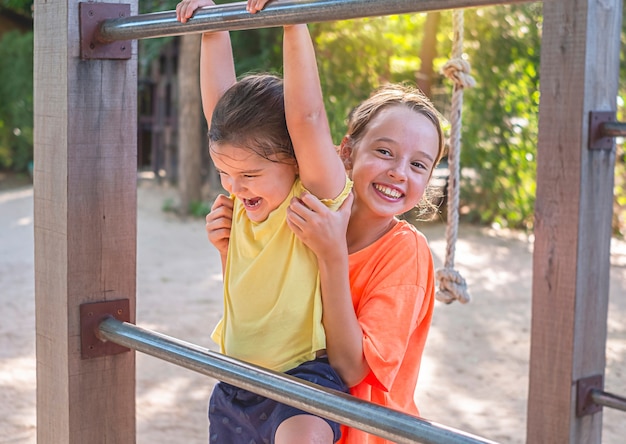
235,186
231,185
398,171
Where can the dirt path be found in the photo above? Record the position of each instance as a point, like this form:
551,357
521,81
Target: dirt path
474,375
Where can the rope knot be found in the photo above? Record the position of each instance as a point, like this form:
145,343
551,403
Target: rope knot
458,70
452,287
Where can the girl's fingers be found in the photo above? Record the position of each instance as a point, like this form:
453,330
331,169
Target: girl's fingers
300,212
183,11
312,203
255,6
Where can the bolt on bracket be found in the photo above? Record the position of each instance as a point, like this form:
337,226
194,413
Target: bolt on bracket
91,16
598,139
91,314
585,405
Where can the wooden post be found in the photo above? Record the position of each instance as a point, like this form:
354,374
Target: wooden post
85,227
579,74
188,132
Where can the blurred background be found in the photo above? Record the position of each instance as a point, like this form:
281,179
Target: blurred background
500,114
476,349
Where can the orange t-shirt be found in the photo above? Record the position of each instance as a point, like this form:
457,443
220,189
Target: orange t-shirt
392,283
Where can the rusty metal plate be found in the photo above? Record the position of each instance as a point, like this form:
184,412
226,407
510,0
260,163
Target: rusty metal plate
597,140
91,15
91,314
584,402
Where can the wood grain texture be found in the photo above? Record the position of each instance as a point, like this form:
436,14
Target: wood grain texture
85,228
579,72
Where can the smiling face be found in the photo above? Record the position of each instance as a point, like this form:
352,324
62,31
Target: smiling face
260,184
392,162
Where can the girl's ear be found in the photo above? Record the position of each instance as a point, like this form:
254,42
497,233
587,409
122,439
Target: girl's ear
345,152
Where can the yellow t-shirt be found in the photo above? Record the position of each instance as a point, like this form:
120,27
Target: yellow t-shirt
272,298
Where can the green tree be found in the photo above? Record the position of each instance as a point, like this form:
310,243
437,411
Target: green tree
16,100
20,7
619,206
500,113
500,118
356,56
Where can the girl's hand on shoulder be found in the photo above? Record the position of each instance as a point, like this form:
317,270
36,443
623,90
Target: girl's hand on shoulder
320,228
186,8
219,222
255,6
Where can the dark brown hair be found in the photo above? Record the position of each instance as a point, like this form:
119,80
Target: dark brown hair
251,115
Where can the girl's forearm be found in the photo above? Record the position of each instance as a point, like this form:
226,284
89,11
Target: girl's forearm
320,169
344,337
217,69
303,92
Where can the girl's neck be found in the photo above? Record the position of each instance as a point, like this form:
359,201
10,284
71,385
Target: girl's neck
365,230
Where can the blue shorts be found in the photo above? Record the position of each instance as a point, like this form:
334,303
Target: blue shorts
239,416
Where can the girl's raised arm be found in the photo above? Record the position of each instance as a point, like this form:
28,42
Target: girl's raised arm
320,168
217,68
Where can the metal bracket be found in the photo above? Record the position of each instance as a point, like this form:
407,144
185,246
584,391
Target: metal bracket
597,139
584,400
91,314
91,15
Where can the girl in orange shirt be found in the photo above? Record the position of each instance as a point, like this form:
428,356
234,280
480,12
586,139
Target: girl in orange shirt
377,271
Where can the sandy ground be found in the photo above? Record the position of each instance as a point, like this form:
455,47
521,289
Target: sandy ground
475,371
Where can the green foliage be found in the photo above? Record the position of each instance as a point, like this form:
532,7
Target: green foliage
150,49
500,117
20,7
147,6
168,206
499,128
199,209
258,50
619,202
16,100
356,56
255,50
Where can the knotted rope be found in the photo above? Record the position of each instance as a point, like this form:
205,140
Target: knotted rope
452,286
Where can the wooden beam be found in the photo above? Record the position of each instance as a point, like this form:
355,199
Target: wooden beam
85,228
579,74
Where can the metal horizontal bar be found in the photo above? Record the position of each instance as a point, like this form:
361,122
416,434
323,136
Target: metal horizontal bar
234,16
337,406
608,399
613,129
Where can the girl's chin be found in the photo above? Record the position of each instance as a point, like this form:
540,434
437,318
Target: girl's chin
256,215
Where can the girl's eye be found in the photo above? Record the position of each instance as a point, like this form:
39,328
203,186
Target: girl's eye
384,151
419,165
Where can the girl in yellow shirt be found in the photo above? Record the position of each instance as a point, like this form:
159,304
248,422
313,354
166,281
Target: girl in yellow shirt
270,141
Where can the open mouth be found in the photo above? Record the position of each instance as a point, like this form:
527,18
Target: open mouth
388,192
251,204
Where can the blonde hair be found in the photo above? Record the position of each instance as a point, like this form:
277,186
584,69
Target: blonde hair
392,95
